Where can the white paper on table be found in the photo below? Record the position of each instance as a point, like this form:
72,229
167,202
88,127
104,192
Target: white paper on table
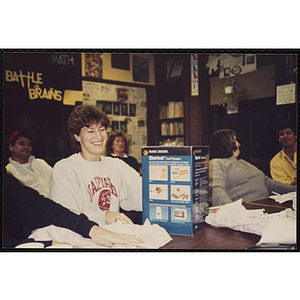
235,216
153,236
274,228
279,231
285,197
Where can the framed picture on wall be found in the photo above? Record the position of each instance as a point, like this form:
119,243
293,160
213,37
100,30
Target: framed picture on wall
176,69
92,65
140,68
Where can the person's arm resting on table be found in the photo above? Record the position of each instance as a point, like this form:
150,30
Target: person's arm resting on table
28,208
108,238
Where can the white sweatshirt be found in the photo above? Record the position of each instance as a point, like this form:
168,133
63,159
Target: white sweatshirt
95,187
35,174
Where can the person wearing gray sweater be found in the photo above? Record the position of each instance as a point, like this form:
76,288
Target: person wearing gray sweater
231,179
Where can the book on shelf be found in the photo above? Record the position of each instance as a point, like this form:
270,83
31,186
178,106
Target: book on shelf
172,110
172,128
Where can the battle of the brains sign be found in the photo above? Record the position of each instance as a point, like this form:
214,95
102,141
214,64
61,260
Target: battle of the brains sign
40,75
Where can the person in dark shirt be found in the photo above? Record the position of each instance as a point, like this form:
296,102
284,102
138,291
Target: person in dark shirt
117,146
24,210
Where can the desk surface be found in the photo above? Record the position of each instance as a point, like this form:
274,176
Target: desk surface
212,238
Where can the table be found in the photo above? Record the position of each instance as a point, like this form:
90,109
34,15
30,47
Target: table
212,238
217,239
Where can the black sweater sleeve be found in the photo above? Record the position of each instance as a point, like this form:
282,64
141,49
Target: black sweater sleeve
26,208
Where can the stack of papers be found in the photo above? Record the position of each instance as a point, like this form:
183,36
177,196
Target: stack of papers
283,198
273,228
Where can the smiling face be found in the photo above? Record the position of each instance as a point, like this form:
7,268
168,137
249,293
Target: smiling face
21,151
92,140
287,138
118,145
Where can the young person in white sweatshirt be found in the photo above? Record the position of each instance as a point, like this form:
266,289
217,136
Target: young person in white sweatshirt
89,183
30,171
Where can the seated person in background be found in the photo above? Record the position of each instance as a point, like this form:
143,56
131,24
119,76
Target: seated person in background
283,165
117,146
89,183
25,209
30,171
231,179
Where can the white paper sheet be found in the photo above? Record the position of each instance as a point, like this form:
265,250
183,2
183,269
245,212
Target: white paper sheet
285,197
235,216
279,231
153,236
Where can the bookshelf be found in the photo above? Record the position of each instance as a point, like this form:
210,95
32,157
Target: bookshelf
171,100
171,118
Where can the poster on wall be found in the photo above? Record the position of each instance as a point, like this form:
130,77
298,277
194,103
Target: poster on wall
194,75
126,108
237,64
285,94
140,68
92,65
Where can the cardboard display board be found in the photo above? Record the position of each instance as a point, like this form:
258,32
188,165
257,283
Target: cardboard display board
175,187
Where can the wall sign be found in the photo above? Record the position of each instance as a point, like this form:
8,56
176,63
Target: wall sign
285,94
34,75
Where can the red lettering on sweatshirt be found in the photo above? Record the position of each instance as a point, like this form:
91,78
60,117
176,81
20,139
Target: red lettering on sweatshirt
101,183
104,200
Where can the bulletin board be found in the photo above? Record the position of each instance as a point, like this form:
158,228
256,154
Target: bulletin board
133,68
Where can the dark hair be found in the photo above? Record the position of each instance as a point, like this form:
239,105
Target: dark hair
287,124
111,139
24,132
26,135
222,144
84,115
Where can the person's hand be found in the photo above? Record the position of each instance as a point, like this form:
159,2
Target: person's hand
295,181
112,217
108,238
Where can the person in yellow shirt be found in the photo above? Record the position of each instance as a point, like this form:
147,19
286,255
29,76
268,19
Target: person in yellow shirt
283,165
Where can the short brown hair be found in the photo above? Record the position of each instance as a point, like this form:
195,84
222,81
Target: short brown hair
111,139
222,144
84,115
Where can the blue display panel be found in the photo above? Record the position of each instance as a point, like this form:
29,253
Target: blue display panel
175,187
